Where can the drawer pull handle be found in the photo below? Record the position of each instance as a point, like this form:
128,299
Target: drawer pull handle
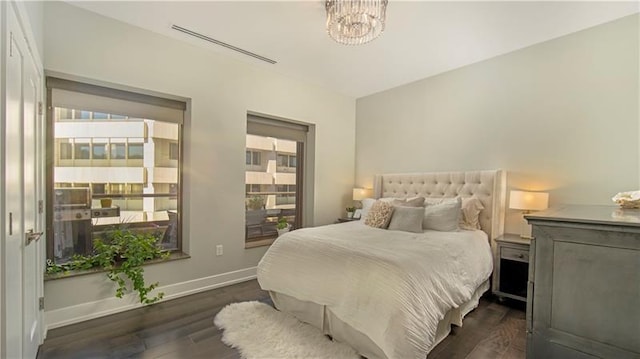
520,255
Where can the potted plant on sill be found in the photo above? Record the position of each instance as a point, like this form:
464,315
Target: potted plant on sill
282,226
350,211
121,253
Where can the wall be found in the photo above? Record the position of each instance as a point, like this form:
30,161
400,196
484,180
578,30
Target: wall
221,90
560,116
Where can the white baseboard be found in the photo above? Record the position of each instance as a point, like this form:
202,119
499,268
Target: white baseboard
100,308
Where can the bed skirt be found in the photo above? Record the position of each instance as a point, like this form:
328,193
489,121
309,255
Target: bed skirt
322,318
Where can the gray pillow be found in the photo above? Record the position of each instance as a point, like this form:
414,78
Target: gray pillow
408,219
442,217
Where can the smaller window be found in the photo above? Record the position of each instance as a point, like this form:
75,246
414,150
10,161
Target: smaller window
173,151
173,188
81,151
98,188
135,151
100,116
253,158
293,161
253,188
81,115
118,151
99,151
118,117
283,161
116,188
136,188
65,151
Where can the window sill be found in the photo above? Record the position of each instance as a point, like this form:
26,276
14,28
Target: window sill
259,243
76,273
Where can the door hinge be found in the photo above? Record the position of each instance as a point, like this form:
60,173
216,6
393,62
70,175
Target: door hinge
40,206
40,108
41,303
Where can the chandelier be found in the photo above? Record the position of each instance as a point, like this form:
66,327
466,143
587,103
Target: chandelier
355,22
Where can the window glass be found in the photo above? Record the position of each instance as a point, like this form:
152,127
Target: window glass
293,161
283,160
65,151
248,158
99,151
118,151
136,151
156,213
81,151
256,158
173,151
100,116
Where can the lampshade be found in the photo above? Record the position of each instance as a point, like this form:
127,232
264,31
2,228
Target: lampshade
361,193
528,201
355,22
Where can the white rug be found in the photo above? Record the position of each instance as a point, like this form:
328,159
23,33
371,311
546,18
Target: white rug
259,331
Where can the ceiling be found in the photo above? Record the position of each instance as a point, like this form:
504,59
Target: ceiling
422,38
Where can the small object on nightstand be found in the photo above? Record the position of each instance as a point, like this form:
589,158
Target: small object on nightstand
343,219
511,267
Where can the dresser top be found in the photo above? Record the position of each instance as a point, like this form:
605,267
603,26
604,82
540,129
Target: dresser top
610,215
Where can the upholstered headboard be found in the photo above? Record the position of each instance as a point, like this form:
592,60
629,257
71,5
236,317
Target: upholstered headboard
488,186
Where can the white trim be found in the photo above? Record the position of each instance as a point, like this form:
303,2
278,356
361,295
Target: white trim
77,313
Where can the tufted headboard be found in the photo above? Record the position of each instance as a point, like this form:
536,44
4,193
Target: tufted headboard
488,186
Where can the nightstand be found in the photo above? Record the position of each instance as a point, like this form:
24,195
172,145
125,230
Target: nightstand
511,267
345,219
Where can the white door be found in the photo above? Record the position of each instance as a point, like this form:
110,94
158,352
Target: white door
23,276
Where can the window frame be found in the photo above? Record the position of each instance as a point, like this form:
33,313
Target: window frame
175,102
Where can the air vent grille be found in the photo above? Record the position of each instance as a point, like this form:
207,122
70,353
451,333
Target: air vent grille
223,44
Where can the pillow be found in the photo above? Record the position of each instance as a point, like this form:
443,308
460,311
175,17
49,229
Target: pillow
443,217
379,215
415,202
408,219
366,206
471,207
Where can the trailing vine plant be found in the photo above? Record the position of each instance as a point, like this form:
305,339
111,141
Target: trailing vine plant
122,254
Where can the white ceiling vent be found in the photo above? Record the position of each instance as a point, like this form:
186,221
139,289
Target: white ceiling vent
223,44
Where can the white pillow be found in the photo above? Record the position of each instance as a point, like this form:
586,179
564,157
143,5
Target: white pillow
408,219
443,217
366,206
471,207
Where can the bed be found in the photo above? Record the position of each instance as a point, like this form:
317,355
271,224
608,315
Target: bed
390,294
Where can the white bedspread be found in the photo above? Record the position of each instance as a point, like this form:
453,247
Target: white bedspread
392,286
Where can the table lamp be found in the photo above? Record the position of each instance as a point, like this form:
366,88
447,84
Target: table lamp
527,202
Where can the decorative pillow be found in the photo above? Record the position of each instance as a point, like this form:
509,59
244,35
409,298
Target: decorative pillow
414,202
442,217
379,215
471,207
408,219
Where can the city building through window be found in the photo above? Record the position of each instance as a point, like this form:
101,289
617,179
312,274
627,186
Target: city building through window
273,179
115,163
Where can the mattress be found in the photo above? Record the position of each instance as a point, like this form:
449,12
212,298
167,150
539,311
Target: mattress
392,287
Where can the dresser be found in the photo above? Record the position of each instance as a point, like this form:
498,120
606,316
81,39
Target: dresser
584,283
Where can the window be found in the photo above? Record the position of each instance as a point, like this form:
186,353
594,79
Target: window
65,151
275,190
81,151
99,151
173,151
80,112
253,158
136,151
118,151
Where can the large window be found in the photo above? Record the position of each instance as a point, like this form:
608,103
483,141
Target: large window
106,146
274,149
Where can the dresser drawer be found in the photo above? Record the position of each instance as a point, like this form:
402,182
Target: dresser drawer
514,254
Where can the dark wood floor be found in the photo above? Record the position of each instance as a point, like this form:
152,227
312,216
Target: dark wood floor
183,328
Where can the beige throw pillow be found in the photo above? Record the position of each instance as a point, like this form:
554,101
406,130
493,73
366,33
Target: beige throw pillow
471,207
379,215
408,219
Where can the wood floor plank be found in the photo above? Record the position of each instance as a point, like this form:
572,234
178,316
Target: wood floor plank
183,328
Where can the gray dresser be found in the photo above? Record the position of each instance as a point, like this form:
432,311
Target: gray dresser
584,283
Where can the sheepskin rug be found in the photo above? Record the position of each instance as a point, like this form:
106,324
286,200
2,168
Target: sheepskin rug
259,331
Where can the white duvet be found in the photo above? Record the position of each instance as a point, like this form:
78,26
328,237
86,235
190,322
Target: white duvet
392,286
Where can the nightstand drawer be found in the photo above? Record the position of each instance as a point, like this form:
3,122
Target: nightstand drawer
514,254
